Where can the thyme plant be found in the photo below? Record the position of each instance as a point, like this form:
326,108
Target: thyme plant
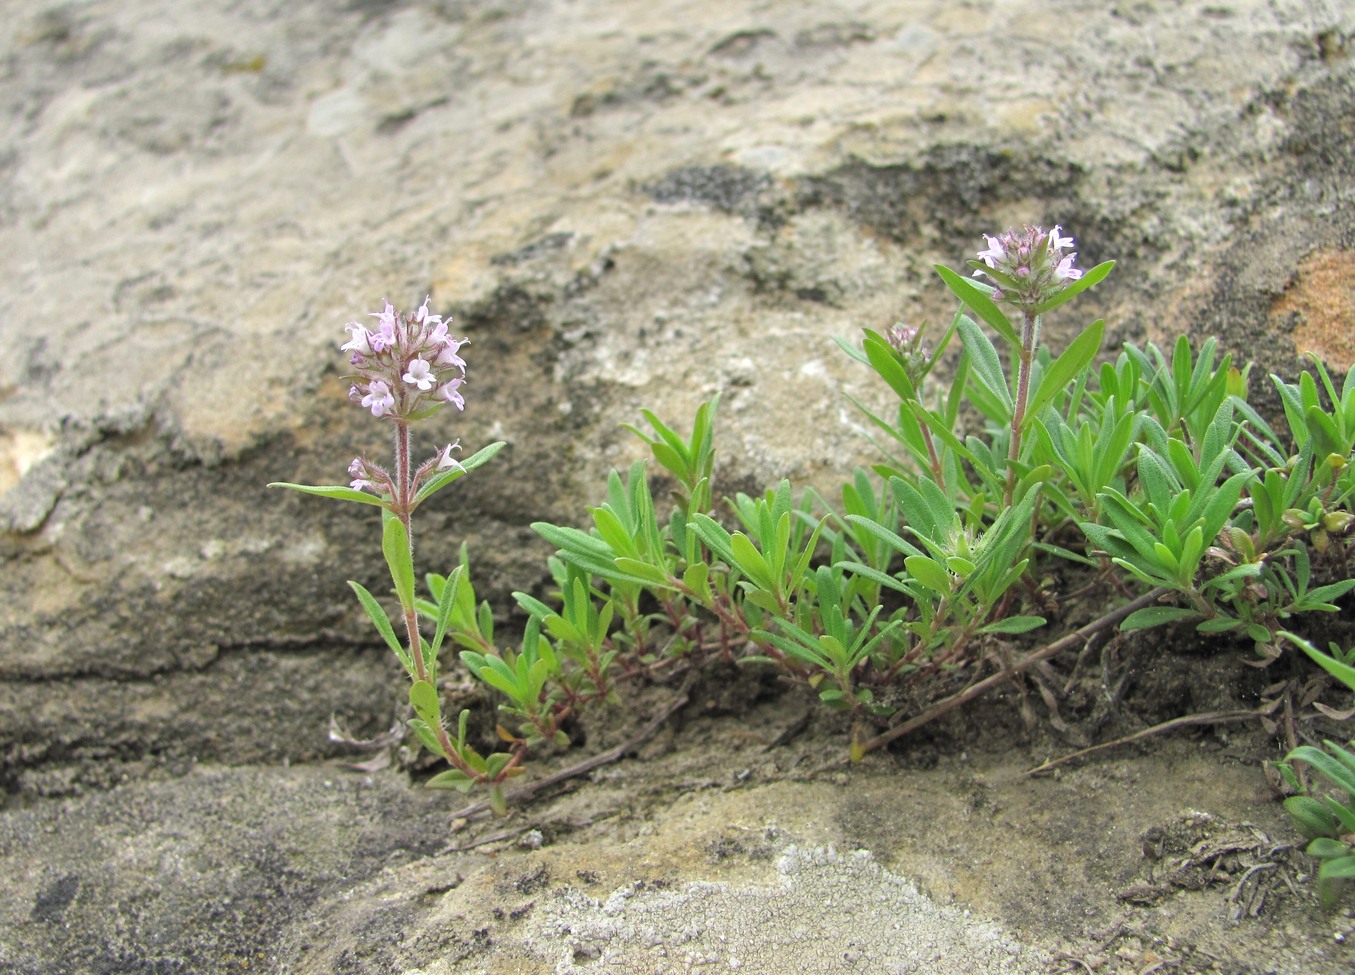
1144,472
405,371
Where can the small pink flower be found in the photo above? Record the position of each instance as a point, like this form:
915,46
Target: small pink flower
1059,243
378,398
450,394
1065,271
422,316
358,471
386,317
360,341
994,253
403,361
448,356
419,374
445,459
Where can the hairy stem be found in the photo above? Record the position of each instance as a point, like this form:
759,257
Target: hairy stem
404,496
1030,334
931,454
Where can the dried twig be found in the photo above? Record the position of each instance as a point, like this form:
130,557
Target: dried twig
1213,717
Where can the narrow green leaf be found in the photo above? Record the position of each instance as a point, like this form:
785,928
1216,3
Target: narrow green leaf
884,360
651,575
1066,368
1014,624
1325,846
383,625
696,578
714,535
614,533
977,299
395,546
336,491
929,573
447,595
987,367
573,540
1324,594
426,736
1326,764
1339,868
423,696
440,481
1312,817
874,575
1156,616
1342,672
453,778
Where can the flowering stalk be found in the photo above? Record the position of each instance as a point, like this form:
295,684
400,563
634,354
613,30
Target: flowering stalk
916,359
406,368
1030,270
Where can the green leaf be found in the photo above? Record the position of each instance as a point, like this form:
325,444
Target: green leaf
335,491
451,587
425,735
453,778
652,575
1325,846
1342,672
977,299
614,533
874,575
1320,597
714,535
1328,765
987,366
466,466
885,361
493,671
1311,817
383,625
423,696
751,562
1066,368
696,578
1088,279
1156,616
1219,624
928,573
1339,868
1014,624
395,546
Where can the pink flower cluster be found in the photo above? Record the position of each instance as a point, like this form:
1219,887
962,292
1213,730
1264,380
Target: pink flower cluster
1028,268
406,366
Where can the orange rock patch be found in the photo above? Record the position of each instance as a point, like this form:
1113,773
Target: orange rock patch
1323,295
